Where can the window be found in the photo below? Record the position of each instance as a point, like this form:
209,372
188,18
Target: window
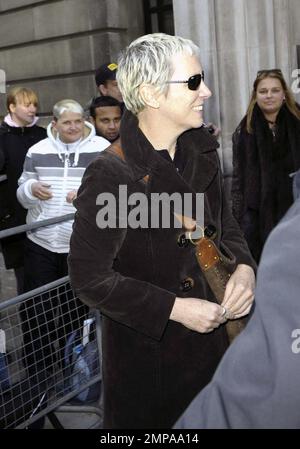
159,16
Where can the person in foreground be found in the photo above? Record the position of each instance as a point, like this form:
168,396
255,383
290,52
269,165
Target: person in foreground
162,327
257,384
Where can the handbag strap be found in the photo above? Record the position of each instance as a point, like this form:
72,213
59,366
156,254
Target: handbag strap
207,254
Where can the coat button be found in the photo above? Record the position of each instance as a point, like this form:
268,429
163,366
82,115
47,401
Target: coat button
210,231
187,284
182,241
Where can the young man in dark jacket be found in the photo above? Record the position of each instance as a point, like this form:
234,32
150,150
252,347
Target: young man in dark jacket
18,132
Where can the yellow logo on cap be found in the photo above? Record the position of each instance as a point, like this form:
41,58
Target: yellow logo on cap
112,66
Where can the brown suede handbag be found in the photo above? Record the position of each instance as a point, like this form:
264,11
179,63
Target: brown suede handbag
217,268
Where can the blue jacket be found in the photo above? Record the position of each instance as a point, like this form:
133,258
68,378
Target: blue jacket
257,384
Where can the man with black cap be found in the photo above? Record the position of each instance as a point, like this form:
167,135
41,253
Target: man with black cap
105,78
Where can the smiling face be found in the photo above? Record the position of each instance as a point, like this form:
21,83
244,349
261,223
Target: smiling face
270,95
69,126
23,111
182,108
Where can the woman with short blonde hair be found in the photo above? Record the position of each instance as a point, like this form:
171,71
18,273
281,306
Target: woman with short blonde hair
21,94
163,332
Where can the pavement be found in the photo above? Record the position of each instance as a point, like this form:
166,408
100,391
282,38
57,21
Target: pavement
69,420
7,282
76,421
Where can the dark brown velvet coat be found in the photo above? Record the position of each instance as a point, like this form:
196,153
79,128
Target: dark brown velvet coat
152,366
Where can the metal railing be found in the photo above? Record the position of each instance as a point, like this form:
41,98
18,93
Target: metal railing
49,362
48,356
37,224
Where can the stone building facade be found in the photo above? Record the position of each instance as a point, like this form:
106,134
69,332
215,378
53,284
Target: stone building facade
54,46
237,38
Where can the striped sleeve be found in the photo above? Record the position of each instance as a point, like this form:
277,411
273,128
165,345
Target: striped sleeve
27,178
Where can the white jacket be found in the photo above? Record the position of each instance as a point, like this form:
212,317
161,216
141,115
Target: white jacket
61,166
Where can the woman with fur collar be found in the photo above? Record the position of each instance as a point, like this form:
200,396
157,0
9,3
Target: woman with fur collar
266,151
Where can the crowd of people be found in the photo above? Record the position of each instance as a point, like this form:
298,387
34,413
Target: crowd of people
163,330
73,141
44,168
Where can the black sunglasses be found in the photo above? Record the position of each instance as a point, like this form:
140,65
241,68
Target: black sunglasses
192,83
266,71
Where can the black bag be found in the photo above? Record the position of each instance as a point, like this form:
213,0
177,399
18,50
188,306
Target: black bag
82,363
4,375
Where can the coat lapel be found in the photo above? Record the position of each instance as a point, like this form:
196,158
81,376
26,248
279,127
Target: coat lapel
143,161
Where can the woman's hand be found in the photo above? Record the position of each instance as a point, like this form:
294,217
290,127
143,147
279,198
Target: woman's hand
239,293
198,314
71,196
41,190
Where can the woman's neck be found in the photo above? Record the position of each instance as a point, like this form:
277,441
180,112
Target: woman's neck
271,118
19,122
160,138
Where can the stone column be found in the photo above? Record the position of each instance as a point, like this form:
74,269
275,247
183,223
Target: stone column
237,38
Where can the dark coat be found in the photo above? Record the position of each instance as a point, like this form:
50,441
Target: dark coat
14,144
152,366
261,185
257,384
